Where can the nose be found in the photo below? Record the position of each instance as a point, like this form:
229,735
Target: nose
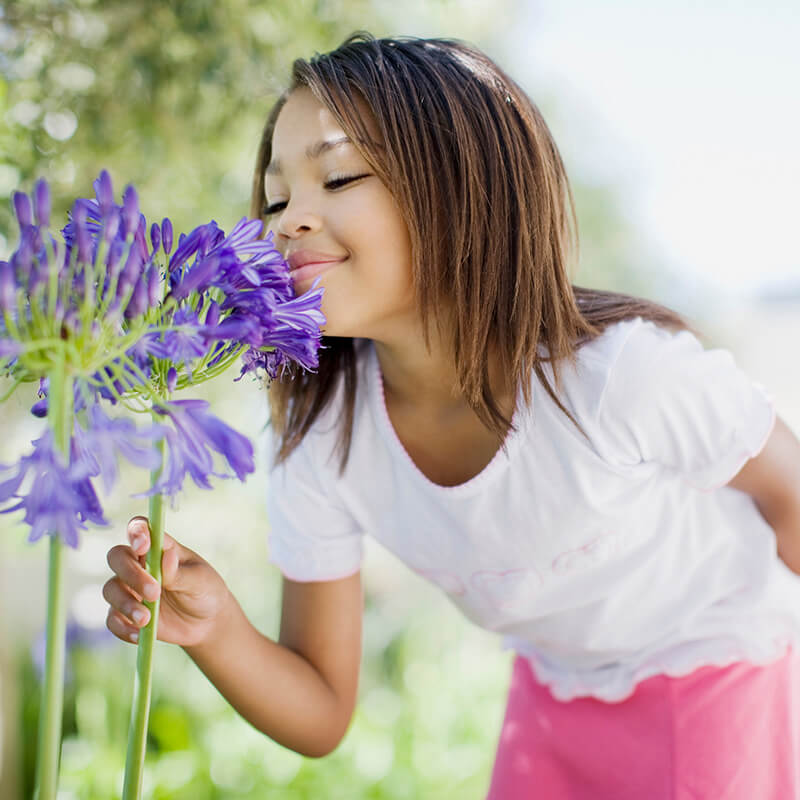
296,220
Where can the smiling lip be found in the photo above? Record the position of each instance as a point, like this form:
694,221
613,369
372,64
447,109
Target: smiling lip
313,268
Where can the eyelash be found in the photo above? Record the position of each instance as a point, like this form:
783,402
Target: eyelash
333,183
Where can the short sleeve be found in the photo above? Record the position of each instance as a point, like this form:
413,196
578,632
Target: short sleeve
669,400
311,536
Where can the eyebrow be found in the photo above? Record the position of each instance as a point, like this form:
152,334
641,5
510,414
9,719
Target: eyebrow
312,151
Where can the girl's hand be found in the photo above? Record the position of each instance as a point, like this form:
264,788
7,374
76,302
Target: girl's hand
193,595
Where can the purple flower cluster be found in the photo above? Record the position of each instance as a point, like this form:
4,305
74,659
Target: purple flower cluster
130,318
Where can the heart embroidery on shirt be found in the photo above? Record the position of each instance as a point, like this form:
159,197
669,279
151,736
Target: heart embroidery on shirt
587,555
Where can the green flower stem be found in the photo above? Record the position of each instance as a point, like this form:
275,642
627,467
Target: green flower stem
50,714
137,733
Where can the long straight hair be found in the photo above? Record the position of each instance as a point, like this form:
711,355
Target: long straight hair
491,217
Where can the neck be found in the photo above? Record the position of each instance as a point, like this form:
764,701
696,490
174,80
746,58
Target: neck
423,379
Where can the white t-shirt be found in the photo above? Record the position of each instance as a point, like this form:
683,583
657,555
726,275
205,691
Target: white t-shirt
604,561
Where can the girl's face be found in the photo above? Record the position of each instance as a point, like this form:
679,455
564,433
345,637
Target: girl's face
332,217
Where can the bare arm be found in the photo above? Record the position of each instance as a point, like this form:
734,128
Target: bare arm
301,690
772,479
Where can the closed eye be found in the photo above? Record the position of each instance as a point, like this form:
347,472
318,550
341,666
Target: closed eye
333,184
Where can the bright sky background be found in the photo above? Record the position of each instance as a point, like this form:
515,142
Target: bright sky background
693,110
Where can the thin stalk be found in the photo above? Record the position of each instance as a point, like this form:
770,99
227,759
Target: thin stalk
137,732
50,714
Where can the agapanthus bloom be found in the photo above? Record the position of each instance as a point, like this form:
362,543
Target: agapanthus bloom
190,442
96,446
60,498
132,321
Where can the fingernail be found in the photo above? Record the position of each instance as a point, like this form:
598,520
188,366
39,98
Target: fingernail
152,591
134,637
137,541
139,616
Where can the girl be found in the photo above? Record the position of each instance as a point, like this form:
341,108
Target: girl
570,466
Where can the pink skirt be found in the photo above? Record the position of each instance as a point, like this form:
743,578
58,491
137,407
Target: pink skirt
730,733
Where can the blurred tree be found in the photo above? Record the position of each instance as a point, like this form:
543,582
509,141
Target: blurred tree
172,97
165,95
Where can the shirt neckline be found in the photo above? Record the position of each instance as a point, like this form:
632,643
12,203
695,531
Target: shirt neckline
499,461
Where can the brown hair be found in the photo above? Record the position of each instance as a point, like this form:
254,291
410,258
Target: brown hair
490,213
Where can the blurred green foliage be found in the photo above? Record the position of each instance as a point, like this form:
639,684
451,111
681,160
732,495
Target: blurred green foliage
168,95
431,702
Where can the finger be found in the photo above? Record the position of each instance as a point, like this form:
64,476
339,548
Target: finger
131,572
125,603
139,535
121,628
170,561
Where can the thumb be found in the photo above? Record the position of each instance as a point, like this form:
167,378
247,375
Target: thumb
170,562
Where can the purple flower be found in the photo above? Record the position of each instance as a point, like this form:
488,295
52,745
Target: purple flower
200,241
130,210
95,448
155,236
196,433
149,345
41,202
239,327
184,341
22,208
295,328
166,235
273,362
60,499
111,223
199,277
8,288
104,191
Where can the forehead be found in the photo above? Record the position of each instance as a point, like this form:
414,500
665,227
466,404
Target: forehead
306,128
302,116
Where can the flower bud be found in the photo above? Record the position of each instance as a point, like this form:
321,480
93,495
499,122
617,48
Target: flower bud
153,285
111,224
212,315
155,236
8,287
141,238
138,303
39,408
113,262
41,202
82,235
172,379
22,257
166,235
130,210
104,192
22,208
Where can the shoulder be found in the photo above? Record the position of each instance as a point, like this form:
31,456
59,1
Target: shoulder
583,384
637,353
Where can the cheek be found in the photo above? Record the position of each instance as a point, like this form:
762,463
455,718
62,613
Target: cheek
392,245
